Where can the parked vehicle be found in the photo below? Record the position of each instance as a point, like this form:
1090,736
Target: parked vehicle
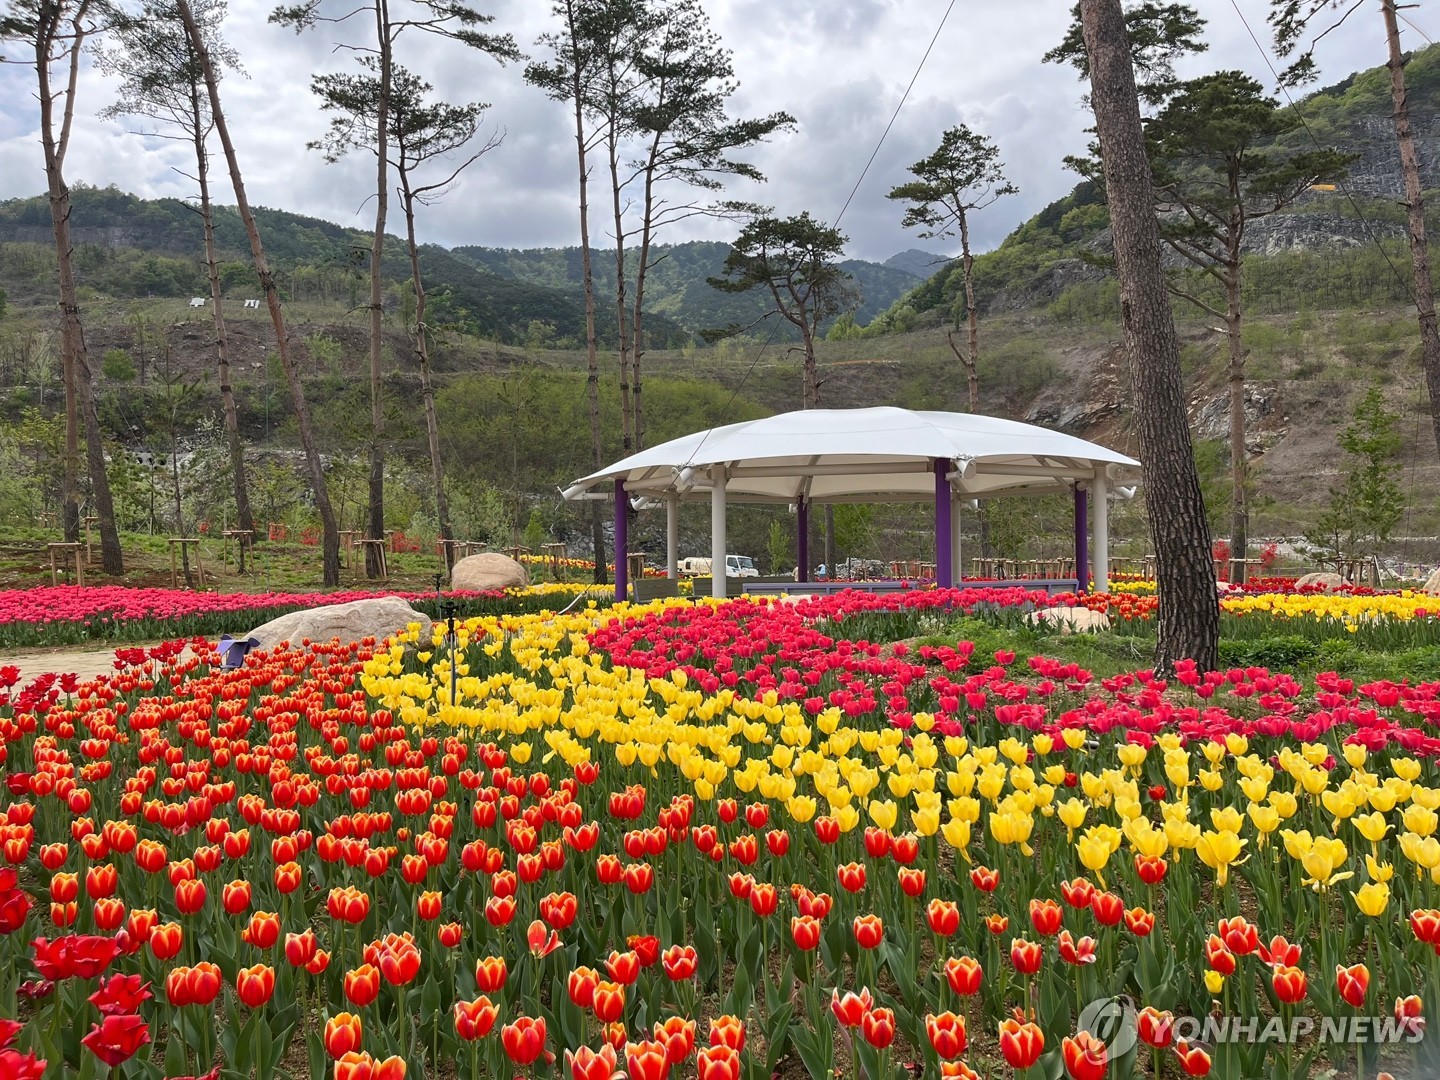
735,566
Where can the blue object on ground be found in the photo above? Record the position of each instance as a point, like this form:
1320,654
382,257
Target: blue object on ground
233,650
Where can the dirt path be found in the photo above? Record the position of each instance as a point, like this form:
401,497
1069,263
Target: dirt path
84,662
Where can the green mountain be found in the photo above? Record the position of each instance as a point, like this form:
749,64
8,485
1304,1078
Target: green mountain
676,285
130,248
1329,248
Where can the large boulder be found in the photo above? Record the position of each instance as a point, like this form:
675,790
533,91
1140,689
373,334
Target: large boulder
1327,582
1432,585
1070,620
488,570
379,618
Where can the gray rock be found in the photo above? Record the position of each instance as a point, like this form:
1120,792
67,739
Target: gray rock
1329,582
488,570
379,618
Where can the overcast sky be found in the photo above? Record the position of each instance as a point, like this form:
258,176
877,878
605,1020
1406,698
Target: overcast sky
839,66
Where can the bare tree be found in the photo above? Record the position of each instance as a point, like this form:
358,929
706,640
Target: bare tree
161,80
330,533
1189,618
55,32
569,77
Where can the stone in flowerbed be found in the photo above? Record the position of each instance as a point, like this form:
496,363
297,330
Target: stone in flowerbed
378,618
488,570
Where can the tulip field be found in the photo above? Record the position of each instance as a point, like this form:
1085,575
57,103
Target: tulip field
722,841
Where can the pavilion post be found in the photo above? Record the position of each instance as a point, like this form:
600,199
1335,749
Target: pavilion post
1102,531
717,531
622,543
802,539
672,535
1082,539
957,576
944,572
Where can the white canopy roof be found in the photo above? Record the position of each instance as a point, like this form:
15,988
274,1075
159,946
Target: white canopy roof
862,455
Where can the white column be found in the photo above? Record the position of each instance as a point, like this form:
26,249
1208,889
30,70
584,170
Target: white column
1100,519
672,535
717,531
956,562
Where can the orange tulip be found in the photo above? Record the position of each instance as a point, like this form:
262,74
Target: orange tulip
943,916
235,897
678,1035
1078,893
1426,924
1026,956
475,1019
963,973
1289,984
1086,1057
646,1061
1076,952
946,1033
343,1033
588,1064
1139,921
581,985
997,924
362,985
1194,1060
984,879
1020,1043
851,876
255,985
878,1027
608,1001
1352,983
851,1009
805,930
263,930
165,940
1046,916
717,1063
1155,1028
491,973
728,1031
869,931
1108,908
912,881
524,1040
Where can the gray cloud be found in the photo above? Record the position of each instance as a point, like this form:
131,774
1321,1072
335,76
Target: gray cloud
840,66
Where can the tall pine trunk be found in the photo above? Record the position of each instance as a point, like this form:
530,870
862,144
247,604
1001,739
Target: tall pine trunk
642,268
330,539
427,387
376,527
1189,617
1239,465
1415,207
245,520
972,317
622,313
79,394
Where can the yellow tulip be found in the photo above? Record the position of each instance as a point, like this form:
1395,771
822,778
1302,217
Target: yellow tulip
925,820
801,808
1214,981
1405,768
848,816
1371,826
1131,755
1355,755
957,835
1226,819
883,814
1072,813
1377,870
1372,898
1220,850
1074,737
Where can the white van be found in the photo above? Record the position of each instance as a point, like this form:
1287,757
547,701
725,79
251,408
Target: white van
735,566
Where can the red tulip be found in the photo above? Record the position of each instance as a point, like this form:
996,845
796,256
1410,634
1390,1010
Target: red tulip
680,962
869,931
878,1027
851,1009
764,899
1078,893
946,1033
718,1063
623,967
805,930
581,985
255,985
646,1061
1020,1043
1026,956
1108,908
74,956
1139,921
524,1040
1194,1060
1076,952
964,975
343,1033
475,1019
362,985
1289,984
1086,1057
539,942
588,1064
608,1001
189,896
984,879
851,876
491,973
1218,956
1352,983
1239,935
943,916
263,930
1155,1028
117,1038
678,1035
120,994
1046,917
235,897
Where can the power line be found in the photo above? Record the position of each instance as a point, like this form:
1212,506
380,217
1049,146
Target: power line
858,181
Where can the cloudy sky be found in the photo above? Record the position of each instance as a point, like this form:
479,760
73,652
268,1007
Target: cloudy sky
839,66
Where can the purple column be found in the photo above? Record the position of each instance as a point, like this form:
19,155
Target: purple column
802,539
622,542
943,576
1082,538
